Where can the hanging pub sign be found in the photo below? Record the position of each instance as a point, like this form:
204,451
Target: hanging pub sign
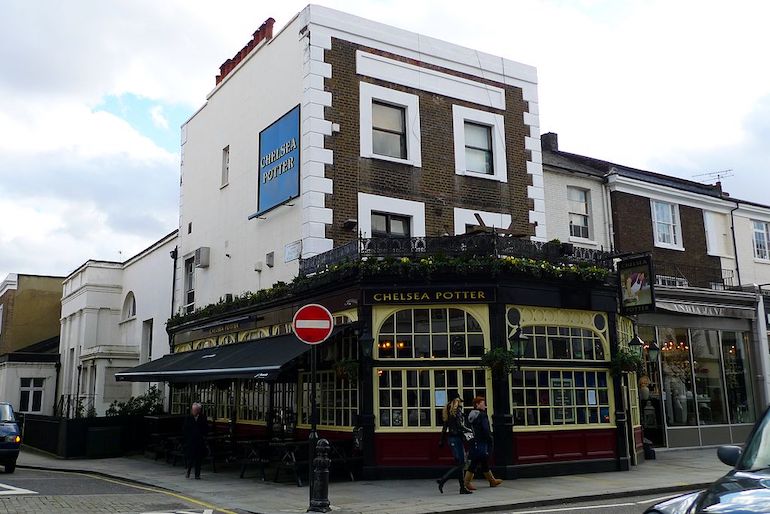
635,283
278,178
429,295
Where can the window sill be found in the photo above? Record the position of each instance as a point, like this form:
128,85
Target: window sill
127,320
583,241
408,162
761,261
224,185
473,174
669,247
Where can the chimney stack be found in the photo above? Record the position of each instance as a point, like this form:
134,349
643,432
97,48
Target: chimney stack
550,141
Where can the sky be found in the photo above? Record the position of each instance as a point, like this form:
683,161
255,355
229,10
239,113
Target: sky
93,93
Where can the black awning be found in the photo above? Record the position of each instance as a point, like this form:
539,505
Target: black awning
261,359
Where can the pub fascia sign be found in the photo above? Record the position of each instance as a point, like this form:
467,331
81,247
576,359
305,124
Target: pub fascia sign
279,147
409,296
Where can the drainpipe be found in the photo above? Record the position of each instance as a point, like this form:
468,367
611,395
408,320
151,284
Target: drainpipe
735,246
56,387
608,211
174,254
764,346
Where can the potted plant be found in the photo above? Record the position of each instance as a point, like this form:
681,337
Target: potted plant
346,369
626,361
499,360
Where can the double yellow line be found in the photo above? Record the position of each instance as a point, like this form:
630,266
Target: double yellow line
203,504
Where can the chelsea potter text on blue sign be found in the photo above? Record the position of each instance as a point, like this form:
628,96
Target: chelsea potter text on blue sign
279,162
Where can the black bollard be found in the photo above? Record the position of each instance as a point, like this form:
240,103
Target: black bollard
319,485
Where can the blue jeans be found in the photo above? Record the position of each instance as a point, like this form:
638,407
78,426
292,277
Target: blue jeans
458,451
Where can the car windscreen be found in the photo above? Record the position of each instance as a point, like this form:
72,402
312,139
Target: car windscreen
6,413
756,453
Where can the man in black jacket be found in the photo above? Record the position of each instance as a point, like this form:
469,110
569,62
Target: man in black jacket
195,430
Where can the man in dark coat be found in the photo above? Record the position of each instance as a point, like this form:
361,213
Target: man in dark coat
195,430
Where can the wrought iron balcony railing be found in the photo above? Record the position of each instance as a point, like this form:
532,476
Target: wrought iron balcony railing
469,245
679,275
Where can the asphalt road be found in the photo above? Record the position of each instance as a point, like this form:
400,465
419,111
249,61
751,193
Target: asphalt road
625,505
28,491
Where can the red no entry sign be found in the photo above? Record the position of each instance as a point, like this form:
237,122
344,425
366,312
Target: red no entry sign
313,323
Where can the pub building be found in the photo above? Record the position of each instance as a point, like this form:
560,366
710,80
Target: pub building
403,347
398,182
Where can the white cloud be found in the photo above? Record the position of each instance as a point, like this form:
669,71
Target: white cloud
158,118
674,87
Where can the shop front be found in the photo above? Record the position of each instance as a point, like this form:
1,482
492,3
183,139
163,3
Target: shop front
701,390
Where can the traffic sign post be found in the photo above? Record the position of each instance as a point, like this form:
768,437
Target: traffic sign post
313,324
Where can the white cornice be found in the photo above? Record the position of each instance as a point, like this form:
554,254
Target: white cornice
93,288
756,212
637,187
11,283
333,23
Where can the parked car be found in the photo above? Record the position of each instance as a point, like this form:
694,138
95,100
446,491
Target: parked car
10,438
744,490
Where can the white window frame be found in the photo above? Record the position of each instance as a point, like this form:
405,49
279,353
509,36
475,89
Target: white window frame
465,217
677,225
32,390
368,203
588,214
1,318
754,231
225,166
188,285
411,105
462,114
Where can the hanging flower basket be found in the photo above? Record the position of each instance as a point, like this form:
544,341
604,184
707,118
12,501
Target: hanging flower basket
499,360
625,361
346,369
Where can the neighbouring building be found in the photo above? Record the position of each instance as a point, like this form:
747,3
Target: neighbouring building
113,316
29,334
708,252
397,180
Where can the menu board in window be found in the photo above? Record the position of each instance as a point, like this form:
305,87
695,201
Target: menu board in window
563,400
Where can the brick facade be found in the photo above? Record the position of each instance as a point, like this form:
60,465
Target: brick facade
435,183
632,220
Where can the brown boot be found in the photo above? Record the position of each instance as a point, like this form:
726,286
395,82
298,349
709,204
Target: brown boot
468,479
493,482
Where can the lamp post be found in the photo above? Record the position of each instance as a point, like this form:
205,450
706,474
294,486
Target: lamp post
636,345
653,351
517,346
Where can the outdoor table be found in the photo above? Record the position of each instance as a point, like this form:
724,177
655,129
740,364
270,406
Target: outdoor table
289,451
254,451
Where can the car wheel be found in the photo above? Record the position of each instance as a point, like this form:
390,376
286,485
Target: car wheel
10,468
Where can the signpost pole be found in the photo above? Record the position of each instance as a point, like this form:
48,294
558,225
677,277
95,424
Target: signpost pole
313,436
313,324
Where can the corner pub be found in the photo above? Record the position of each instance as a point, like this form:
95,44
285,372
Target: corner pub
406,339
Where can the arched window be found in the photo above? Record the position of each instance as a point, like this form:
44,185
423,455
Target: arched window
437,332
129,306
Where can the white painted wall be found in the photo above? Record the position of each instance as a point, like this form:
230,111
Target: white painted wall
753,271
557,208
94,333
264,87
11,374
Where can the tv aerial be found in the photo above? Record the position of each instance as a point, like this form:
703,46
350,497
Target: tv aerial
715,176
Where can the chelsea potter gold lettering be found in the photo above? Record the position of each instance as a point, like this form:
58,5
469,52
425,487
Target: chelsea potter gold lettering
428,296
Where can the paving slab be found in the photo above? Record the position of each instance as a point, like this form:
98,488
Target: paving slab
672,470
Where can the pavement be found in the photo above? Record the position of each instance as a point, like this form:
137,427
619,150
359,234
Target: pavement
673,470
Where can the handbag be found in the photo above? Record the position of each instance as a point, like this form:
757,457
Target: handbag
468,436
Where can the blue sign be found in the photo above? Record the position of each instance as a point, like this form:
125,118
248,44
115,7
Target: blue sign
278,162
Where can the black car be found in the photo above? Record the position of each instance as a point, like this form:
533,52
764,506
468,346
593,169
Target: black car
10,438
744,490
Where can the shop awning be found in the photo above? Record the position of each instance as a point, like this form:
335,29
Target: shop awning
261,359
706,309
